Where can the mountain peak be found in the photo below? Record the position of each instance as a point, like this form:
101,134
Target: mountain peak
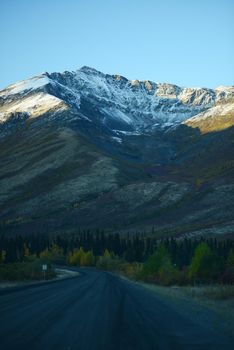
89,70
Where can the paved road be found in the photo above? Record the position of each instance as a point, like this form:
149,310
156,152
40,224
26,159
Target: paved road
98,311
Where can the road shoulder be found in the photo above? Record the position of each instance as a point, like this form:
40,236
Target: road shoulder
190,302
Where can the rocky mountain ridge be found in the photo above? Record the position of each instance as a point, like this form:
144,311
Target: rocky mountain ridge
124,105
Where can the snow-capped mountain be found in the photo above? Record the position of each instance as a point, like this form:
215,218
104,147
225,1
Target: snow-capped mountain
122,106
87,149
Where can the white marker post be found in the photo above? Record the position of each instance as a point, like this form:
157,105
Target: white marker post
44,269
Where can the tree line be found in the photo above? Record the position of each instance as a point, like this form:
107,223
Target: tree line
165,261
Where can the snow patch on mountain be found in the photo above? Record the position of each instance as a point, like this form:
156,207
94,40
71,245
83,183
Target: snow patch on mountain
219,110
36,105
117,139
24,86
116,114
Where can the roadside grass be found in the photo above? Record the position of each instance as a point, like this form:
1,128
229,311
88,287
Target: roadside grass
215,292
216,298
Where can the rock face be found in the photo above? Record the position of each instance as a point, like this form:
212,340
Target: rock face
87,149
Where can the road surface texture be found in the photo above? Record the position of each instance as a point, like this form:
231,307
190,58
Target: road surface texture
99,311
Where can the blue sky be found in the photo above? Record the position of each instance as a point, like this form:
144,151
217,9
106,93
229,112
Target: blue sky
189,43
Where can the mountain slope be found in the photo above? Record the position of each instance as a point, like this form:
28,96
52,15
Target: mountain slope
85,149
219,117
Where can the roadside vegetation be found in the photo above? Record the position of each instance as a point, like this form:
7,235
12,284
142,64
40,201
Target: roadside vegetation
23,271
166,262
29,267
